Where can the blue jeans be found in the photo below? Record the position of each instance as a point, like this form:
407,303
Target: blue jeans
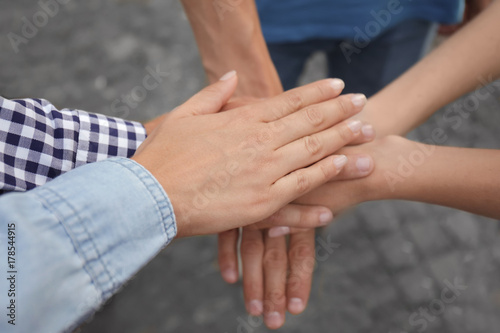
370,69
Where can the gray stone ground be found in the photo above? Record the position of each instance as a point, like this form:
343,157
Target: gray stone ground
393,258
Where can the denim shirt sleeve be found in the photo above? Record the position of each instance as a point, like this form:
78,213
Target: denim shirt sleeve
78,239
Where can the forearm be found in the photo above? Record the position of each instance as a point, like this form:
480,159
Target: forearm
461,178
463,63
78,239
229,37
42,142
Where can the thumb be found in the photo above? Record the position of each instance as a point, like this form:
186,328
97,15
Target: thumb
212,98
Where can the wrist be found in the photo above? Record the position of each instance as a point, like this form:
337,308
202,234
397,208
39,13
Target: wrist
256,73
152,124
377,112
393,174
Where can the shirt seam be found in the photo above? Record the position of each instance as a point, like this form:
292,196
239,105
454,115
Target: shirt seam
155,191
78,249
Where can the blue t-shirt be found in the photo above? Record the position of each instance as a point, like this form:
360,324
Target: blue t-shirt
298,20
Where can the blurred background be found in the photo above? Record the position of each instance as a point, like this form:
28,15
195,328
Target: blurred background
392,259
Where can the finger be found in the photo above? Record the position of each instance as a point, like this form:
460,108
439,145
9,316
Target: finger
275,271
252,252
227,253
298,98
289,231
310,149
368,134
302,260
316,117
358,166
211,99
298,183
295,215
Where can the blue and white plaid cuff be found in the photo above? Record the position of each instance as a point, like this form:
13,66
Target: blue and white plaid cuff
38,142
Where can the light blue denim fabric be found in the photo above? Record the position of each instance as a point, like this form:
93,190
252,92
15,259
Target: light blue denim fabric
78,239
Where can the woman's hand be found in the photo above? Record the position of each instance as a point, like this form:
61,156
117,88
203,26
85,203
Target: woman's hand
229,169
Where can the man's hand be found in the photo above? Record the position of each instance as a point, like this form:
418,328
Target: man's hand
256,158
277,278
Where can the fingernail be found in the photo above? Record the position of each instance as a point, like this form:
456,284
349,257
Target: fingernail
363,164
337,84
255,307
230,275
355,125
227,76
340,161
325,217
273,320
295,305
358,100
368,131
278,231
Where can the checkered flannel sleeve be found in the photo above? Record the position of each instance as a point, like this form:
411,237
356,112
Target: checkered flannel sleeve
39,142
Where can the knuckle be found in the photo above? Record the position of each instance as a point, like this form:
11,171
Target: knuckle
327,170
294,282
303,182
323,92
279,111
265,135
345,134
276,296
294,100
312,143
247,114
275,257
251,247
314,116
301,251
343,107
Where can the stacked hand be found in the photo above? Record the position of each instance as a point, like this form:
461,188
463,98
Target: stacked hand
224,170
276,278
245,165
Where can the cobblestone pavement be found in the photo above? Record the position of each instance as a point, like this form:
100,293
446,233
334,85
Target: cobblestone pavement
394,258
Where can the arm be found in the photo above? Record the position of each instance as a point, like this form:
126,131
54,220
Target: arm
80,237
42,142
77,240
229,37
466,61
461,178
